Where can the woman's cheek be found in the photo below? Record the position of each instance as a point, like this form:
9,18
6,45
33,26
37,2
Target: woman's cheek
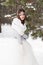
22,17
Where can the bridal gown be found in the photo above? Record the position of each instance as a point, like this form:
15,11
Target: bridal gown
23,54
16,50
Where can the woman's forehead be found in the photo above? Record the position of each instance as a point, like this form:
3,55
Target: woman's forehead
22,12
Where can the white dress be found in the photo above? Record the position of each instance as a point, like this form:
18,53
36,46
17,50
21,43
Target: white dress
23,54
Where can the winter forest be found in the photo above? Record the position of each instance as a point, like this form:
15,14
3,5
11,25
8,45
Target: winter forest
34,20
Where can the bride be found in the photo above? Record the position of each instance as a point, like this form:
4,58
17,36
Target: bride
23,54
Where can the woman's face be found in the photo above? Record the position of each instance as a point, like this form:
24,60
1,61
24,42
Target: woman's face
22,15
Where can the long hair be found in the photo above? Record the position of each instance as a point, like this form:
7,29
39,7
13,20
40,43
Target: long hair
18,12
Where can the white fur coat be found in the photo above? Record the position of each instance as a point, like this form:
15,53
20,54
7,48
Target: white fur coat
18,26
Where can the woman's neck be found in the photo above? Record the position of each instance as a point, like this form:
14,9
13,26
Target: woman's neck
22,21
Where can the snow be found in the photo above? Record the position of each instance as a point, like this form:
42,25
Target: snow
29,5
37,46
7,36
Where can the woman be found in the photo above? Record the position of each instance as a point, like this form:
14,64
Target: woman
23,50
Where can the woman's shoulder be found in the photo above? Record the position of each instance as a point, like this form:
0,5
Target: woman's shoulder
16,21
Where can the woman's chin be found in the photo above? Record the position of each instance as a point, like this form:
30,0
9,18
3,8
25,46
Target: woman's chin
22,19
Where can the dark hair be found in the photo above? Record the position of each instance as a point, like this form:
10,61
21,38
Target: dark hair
18,11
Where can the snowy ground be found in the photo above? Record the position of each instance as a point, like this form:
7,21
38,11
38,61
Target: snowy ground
37,44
